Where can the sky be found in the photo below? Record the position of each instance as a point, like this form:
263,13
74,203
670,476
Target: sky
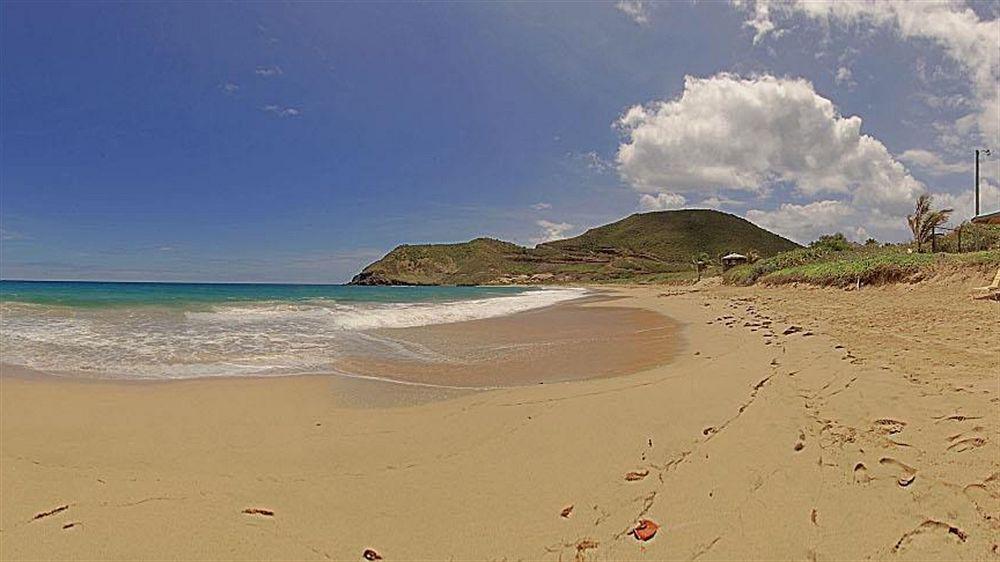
297,142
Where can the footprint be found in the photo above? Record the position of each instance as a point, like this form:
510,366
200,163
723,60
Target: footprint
861,475
889,426
927,526
967,444
907,473
985,496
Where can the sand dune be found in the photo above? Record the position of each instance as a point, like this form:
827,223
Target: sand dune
792,424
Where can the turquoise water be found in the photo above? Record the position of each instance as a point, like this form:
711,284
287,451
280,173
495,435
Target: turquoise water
185,330
93,294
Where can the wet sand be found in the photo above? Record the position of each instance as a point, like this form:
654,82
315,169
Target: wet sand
560,343
789,424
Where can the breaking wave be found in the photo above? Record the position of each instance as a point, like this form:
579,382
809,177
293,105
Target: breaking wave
248,338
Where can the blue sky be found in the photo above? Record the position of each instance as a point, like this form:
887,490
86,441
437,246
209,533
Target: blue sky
297,142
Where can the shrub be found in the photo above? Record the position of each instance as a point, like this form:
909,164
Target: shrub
975,238
832,242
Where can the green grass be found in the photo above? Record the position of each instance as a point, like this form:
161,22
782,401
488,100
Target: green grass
749,274
867,266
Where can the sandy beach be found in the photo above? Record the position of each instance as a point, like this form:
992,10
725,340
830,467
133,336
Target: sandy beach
773,424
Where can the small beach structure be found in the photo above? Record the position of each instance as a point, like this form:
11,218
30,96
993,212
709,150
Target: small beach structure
987,218
733,259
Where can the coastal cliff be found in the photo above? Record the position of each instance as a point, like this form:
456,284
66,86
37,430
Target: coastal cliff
638,247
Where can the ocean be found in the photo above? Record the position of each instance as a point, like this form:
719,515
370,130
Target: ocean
186,330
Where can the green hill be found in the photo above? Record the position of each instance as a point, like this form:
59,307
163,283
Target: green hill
678,235
634,248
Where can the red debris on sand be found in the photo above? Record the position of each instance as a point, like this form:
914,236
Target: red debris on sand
43,514
259,511
636,475
370,554
645,530
566,511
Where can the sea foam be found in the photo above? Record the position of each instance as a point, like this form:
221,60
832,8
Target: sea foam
239,339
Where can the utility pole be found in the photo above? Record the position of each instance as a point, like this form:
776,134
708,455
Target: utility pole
977,183
985,152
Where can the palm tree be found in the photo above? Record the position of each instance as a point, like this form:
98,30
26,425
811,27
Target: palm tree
923,221
700,262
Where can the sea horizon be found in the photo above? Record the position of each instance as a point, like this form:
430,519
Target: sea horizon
593,281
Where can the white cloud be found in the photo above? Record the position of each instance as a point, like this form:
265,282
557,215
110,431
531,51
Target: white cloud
761,22
716,202
541,206
966,38
845,77
593,161
950,101
804,223
637,10
932,163
230,88
964,204
749,135
661,201
267,71
281,111
552,231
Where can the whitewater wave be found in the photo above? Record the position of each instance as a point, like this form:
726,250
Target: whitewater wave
370,316
260,338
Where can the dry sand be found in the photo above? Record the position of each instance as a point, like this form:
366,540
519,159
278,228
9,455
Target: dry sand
872,432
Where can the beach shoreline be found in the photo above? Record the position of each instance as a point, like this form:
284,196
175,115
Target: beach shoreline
748,443
561,342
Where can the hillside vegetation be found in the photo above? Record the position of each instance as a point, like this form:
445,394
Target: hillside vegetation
675,236
859,265
645,247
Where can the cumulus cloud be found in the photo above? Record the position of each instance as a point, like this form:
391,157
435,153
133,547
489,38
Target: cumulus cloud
281,111
966,38
637,10
751,134
933,164
230,88
805,223
551,231
541,206
661,201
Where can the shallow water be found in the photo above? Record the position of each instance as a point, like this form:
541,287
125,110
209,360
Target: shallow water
184,330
